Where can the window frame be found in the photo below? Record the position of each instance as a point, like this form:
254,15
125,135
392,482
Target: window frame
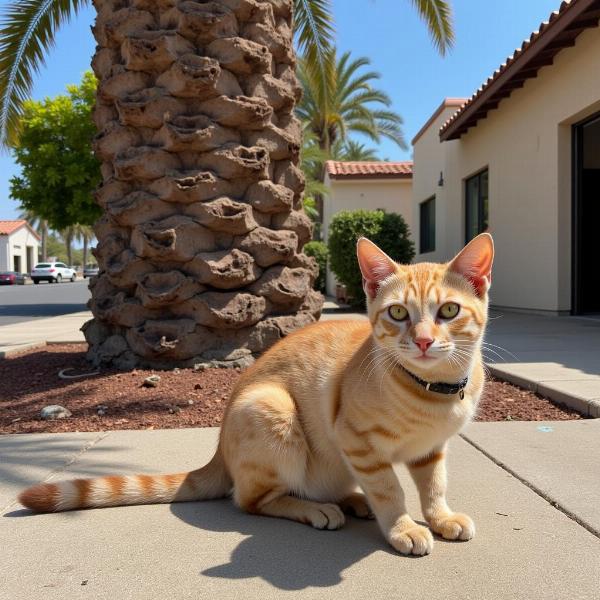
422,248
480,202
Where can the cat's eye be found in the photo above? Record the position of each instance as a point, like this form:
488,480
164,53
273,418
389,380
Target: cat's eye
449,310
398,312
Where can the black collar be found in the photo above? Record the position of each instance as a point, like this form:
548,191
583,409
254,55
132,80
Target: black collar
440,388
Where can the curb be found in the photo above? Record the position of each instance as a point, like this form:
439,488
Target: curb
34,346
22,348
586,406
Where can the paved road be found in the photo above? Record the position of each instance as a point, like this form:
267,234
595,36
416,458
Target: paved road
20,303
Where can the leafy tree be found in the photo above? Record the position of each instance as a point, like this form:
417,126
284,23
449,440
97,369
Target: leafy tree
388,230
58,169
28,30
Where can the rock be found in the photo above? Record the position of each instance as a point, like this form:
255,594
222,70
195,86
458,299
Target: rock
151,381
54,411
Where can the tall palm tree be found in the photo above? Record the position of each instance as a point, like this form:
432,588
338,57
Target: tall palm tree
41,226
200,244
82,233
69,236
351,105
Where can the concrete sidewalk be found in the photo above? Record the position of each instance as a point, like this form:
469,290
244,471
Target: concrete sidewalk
524,548
22,336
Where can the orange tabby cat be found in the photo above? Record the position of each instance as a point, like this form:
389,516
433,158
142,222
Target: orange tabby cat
334,405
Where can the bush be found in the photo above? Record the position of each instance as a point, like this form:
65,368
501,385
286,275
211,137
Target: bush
318,250
388,230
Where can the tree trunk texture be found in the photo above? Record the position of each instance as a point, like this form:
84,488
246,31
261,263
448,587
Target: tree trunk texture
85,249
200,245
44,233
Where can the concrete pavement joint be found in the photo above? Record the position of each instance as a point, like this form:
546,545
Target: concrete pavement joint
554,503
103,435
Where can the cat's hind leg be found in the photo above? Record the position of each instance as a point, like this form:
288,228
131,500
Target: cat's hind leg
267,455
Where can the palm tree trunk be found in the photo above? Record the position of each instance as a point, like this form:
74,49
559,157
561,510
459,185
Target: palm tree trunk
68,236
200,244
85,249
44,234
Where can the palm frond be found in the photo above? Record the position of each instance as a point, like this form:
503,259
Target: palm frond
314,30
437,15
27,31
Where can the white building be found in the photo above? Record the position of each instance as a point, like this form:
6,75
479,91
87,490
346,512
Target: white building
19,246
369,186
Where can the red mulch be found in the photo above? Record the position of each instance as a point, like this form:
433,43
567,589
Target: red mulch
184,398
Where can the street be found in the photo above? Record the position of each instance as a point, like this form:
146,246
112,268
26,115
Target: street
19,303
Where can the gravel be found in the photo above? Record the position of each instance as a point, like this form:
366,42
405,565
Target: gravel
182,397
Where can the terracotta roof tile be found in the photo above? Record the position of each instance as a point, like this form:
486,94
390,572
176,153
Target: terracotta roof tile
369,169
8,227
553,35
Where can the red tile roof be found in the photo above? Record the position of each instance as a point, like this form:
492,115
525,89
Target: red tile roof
8,227
553,35
369,169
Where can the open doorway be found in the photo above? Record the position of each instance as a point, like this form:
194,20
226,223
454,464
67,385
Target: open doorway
586,216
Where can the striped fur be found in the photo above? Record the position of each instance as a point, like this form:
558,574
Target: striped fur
327,411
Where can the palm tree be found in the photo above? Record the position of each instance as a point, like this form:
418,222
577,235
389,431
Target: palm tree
82,233
352,105
69,236
41,226
353,150
200,244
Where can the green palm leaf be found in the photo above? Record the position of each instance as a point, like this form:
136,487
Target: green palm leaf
437,15
27,31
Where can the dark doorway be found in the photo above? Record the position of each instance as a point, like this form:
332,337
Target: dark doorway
586,217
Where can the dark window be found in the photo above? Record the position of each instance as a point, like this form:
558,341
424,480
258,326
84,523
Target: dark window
427,226
476,205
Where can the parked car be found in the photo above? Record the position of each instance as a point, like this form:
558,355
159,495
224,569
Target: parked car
12,278
52,272
90,271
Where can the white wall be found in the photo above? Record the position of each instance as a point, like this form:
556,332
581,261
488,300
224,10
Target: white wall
526,145
4,253
393,195
17,246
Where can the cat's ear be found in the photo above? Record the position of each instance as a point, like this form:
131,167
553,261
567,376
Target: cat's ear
375,265
474,262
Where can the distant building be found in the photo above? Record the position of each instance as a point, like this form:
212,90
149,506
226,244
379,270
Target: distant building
366,185
19,246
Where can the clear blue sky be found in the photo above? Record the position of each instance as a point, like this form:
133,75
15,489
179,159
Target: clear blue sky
386,31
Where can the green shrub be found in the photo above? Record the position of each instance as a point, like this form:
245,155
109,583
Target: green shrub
318,250
388,230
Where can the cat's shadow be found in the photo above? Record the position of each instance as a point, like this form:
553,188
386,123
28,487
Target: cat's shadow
288,555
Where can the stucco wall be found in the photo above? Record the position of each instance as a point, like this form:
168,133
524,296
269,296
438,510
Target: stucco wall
4,253
17,246
526,144
392,195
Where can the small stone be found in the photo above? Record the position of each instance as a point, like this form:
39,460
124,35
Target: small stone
16,420
54,411
198,386
85,582
100,412
201,366
151,381
190,402
174,410
176,370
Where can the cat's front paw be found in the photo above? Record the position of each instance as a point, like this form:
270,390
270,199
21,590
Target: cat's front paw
455,526
409,538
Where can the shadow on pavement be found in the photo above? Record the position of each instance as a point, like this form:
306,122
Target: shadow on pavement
288,555
40,310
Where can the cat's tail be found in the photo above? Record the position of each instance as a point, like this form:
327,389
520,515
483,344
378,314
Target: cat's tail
209,482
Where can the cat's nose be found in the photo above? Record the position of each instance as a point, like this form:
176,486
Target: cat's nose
423,343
